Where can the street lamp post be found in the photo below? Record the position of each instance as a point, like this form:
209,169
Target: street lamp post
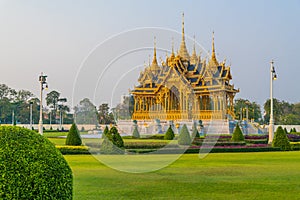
30,114
273,76
61,120
42,80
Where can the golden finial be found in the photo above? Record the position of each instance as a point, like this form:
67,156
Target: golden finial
213,42
154,66
172,45
154,48
213,61
193,58
183,26
194,46
183,53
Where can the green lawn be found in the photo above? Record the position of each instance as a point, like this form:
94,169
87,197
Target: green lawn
268,175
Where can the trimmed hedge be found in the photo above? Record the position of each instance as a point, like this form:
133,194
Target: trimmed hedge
112,143
152,145
195,133
156,136
136,133
105,132
214,150
281,140
169,135
73,137
31,167
184,137
68,150
237,134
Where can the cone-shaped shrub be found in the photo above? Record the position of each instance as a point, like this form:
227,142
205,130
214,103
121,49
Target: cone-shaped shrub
73,137
195,133
184,136
285,131
31,167
281,140
291,130
237,135
116,138
135,133
169,135
105,132
294,130
112,143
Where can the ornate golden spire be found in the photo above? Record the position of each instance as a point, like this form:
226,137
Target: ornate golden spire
172,54
193,59
183,50
154,61
213,60
154,66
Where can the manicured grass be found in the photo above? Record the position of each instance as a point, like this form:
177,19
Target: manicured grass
268,175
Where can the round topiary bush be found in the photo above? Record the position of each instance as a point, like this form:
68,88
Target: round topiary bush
169,135
281,140
136,133
237,135
73,137
184,136
31,167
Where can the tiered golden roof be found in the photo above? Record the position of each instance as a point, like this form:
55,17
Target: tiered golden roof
184,87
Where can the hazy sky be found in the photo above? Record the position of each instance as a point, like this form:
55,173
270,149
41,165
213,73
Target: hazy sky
69,39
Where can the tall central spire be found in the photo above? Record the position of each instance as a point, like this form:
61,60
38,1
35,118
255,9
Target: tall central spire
213,60
183,50
154,66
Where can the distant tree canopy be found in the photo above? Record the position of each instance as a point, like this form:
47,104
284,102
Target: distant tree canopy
242,106
124,110
56,105
15,105
86,112
104,114
284,113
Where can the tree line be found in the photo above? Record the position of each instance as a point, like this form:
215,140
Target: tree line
15,108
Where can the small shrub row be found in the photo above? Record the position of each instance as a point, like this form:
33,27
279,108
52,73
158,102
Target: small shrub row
68,150
157,136
151,145
256,141
295,146
293,137
208,150
256,137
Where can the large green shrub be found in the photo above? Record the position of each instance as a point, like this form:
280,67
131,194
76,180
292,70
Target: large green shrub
237,134
31,167
105,132
135,133
112,143
184,136
281,140
169,135
73,137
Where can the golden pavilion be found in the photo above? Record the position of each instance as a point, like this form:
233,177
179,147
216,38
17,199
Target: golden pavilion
184,87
